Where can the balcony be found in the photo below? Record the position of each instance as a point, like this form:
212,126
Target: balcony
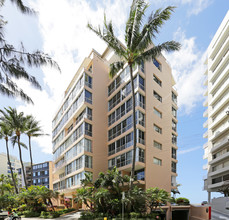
219,158
223,63
220,131
205,166
205,134
205,102
205,125
219,118
219,104
219,144
205,113
219,79
219,171
218,94
205,145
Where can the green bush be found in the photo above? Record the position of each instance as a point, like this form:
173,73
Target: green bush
134,215
53,215
87,215
28,214
182,201
44,214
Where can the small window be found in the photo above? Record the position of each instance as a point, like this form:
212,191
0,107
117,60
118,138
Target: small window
157,129
158,81
173,167
174,125
157,161
157,64
158,113
174,112
174,98
174,153
157,96
157,145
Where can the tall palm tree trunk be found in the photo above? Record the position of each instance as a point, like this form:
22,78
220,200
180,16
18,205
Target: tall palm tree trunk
22,165
11,170
31,159
134,127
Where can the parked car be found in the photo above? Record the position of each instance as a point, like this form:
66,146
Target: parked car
204,203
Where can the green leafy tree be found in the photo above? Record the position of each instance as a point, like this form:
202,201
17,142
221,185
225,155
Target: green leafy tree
13,61
85,196
17,122
156,197
32,129
5,133
138,49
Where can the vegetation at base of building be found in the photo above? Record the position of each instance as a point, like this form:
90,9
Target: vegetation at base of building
13,125
105,195
29,202
138,48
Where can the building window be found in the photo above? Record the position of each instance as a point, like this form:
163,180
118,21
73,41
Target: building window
174,125
157,129
174,98
46,172
88,129
158,113
174,139
140,174
158,81
174,153
157,145
173,181
157,64
174,167
174,112
157,96
157,161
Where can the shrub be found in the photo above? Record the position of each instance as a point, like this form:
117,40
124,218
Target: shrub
53,215
182,201
134,215
28,214
44,214
87,215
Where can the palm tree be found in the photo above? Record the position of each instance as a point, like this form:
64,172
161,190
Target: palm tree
17,122
13,60
5,133
139,47
33,129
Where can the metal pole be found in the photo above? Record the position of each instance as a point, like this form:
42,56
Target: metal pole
123,197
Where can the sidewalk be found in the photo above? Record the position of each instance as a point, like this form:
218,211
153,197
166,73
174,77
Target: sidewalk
73,216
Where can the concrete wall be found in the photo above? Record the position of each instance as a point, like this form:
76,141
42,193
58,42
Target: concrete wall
199,213
220,204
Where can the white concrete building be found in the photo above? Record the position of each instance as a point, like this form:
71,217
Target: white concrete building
5,168
216,149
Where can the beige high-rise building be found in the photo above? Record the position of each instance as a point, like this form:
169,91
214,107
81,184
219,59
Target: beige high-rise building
93,132
216,149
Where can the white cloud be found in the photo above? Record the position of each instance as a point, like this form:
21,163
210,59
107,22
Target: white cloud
189,150
66,37
195,6
188,70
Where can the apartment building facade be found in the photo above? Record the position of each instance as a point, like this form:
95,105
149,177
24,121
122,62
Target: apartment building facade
5,168
93,128
42,174
216,149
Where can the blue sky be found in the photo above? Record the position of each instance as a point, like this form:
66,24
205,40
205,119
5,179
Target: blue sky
60,30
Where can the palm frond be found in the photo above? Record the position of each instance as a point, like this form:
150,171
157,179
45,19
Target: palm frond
24,9
134,22
156,51
115,67
151,28
108,36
